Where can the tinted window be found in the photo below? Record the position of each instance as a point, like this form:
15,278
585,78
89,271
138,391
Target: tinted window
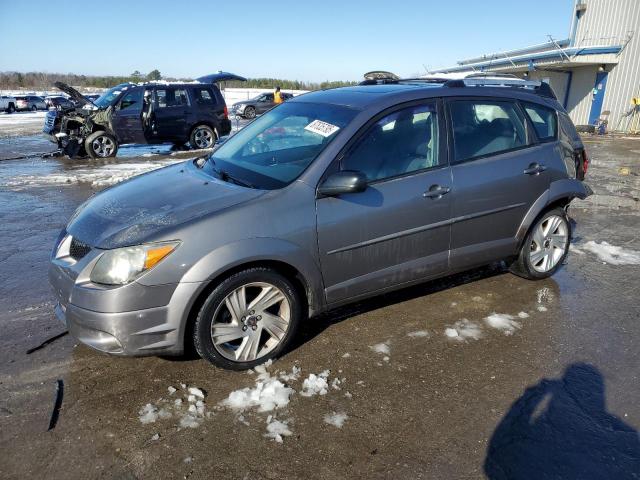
171,97
544,121
401,142
485,128
132,100
204,96
277,147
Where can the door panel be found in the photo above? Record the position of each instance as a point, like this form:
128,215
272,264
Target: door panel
384,236
171,114
398,229
598,97
127,118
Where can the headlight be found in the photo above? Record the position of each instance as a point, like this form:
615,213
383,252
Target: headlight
123,265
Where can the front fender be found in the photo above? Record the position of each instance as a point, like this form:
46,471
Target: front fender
232,255
567,188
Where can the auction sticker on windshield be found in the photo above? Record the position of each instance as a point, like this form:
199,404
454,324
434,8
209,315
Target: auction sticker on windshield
322,128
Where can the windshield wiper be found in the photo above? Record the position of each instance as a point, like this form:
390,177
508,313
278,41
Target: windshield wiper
226,176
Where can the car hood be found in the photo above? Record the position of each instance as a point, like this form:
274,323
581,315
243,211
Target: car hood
149,206
73,93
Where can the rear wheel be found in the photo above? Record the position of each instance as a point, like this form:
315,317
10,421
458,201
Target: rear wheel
249,112
101,144
202,136
545,247
34,108
11,108
248,319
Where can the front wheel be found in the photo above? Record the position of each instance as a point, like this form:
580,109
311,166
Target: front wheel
545,247
202,137
249,113
248,319
101,144
11,108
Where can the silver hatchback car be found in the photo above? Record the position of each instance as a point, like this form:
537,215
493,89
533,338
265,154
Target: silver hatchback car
331,197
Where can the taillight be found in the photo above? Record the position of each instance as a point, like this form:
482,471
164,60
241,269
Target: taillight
585,161
226,112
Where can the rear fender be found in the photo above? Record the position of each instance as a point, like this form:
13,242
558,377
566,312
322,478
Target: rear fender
565,189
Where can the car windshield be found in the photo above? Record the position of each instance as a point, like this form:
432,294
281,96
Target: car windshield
276,148
104,100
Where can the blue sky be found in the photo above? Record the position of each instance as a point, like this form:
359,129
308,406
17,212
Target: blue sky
304,40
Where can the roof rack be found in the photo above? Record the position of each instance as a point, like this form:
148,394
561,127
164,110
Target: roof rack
493,80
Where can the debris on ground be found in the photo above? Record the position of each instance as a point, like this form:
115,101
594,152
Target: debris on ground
57,403
46,342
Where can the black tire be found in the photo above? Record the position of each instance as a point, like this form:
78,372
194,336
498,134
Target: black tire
202,340
523,266
249,113
92,149
34,108
11,108
201,134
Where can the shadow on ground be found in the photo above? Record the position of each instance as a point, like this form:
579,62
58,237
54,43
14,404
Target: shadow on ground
561,429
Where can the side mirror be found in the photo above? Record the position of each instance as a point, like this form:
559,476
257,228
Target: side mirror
346,181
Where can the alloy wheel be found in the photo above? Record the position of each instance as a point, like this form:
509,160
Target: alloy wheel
103,146
250,322
203,137
549,243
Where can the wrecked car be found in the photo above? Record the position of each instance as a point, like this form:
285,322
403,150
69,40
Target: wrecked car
145,113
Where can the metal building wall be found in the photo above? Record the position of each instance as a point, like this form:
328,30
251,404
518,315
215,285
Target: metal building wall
609,22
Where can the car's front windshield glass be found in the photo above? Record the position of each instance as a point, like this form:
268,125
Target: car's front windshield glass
277,147
104,100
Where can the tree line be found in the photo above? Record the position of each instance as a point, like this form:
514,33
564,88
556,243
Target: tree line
44,81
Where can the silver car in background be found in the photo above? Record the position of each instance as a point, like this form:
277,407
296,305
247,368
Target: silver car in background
30,102
327,199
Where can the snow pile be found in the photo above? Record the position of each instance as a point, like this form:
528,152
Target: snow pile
268,394
382,348
189,410
541,308
418,334
523,315
277,429
611,254
504,322
315,384
464,330
335,419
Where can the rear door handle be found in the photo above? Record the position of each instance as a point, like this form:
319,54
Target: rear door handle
535,169
436,191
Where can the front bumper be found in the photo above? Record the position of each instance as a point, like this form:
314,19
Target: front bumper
128,320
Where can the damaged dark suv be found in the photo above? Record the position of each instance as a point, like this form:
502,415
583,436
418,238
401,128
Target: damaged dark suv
146,113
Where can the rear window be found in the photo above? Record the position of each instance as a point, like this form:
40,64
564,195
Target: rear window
544,120
482,128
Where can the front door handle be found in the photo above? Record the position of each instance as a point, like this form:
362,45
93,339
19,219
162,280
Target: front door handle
436,191
534,169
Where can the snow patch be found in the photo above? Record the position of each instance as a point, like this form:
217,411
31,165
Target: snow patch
190,413
382,348
541,308
611,254
523,315
277,429
267,394
315,384
335,419
464,330
504,322
418,334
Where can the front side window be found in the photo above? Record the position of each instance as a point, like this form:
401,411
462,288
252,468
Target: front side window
402,142
544,121
277,147
171,97
483,128
132,100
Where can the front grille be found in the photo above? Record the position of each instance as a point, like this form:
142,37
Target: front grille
77,249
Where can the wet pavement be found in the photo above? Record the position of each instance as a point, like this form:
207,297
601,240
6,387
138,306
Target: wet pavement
547,388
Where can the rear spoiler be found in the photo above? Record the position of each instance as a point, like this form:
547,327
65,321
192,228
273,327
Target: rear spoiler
540,88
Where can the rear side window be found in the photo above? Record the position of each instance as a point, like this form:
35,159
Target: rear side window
482,128
544,121
171,97
204,96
